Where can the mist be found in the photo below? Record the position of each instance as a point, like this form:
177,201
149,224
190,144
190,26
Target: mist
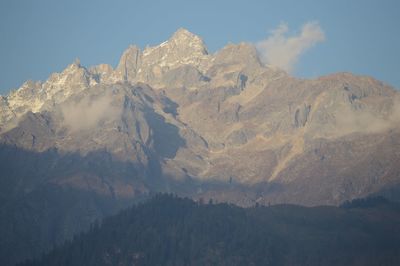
349,120
89,112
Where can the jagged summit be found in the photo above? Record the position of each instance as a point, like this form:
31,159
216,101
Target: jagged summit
183,38
150,65
183,47
183,32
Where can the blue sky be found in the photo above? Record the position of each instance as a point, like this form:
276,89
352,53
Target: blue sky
41,37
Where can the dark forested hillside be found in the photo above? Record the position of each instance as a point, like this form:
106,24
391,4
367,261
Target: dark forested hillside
167,230
46,198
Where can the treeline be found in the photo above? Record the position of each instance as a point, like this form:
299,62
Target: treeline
168,230
367,202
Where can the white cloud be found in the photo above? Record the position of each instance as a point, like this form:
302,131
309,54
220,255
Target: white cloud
88,113
284,51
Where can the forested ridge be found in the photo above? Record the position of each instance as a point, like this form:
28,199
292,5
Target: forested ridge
167,230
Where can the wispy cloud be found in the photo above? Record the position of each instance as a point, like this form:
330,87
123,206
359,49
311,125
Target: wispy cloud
88,113
367,120
284,51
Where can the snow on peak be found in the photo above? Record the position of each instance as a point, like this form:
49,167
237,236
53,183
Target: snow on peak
182,48
33,96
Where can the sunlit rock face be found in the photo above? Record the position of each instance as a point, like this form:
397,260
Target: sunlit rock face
219,125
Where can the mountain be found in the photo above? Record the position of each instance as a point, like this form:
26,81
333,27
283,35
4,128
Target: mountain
173,231
88,142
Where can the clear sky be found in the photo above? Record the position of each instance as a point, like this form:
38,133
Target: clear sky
44,36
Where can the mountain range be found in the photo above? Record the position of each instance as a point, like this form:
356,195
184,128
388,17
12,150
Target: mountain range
88,142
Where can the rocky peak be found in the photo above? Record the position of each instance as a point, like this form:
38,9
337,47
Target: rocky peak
182,48
33,96
184,39
73,70
149,66
243,53
183,33
129,64
73,79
